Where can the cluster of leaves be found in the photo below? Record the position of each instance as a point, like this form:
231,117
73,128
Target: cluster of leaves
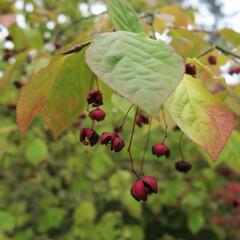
59,193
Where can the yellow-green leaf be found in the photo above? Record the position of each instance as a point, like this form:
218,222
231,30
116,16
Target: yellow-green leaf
201,115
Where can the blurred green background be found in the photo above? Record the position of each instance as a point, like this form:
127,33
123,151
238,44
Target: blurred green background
62,190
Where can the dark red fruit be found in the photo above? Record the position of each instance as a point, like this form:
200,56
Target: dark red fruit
144,186
18,84
95,97
234,70
8,38
160,149
11,106
190,69
97,114
57,45
151,184
117,144
88,136
183,166
141,119
106,138
212,60
139,191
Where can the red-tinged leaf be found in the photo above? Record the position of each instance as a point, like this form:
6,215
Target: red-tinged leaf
57,92
201,115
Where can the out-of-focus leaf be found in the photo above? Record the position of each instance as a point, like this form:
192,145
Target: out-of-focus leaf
36,151
230,35
201,115
195,221
7,221
136,67
85,212
180,18
124,16
51,219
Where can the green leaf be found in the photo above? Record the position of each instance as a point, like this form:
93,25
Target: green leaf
201,115
124,16
36,151
142,70
51,219
230,35
195,221
57,92
85,212
7,221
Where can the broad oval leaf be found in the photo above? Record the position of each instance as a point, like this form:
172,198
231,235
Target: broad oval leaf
201,115
124,16
143,70
57,92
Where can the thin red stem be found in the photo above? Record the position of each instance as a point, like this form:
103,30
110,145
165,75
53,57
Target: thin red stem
180,146
165,124
124,120
130,145
145,146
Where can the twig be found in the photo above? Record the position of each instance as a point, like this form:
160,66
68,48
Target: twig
124,120
76,49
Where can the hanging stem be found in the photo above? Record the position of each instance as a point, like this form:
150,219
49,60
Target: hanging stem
165,124
180,146
124,120
145,146
130,144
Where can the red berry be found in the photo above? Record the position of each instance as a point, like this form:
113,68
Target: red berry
97,114
117,144
57,45
212,60
190,69
95,97
160,149
151,184
234,70
106,138
141,119
144,186
139,191
88,136
183,166
18,84
11,106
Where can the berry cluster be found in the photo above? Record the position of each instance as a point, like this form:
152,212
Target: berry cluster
88,136
143,185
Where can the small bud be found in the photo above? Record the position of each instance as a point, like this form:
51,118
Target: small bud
57,45
183,166
190,69
88,136
212,60
151,184
97,114
117,144
95,97
160,150
11,106
139,191
106,138
18,84
141,119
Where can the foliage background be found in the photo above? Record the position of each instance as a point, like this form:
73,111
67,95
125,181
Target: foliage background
61,190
